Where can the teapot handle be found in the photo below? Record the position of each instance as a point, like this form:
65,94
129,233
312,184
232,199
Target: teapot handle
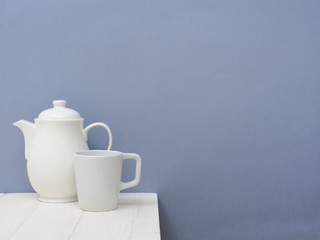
99,124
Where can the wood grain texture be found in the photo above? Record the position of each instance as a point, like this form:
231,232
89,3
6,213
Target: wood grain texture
23,217
14,211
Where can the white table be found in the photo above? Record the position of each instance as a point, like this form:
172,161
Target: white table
23,217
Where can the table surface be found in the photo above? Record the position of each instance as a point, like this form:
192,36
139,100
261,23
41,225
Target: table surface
23,217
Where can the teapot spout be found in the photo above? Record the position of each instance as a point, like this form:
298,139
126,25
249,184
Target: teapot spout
28,129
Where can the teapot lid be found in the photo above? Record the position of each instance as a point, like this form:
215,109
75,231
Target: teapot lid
59,112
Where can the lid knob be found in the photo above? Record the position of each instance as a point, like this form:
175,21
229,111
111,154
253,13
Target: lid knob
59,103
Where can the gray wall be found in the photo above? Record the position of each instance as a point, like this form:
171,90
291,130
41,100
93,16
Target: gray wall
220,98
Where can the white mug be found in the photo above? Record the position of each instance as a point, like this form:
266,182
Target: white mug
98,178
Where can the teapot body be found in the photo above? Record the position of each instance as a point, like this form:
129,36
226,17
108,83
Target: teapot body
50,164
50,144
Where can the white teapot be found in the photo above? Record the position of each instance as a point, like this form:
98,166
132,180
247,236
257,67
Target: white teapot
50,143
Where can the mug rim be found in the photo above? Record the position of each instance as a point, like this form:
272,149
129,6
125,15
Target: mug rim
97,153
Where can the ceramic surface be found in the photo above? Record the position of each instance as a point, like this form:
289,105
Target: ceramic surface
50,143
98,178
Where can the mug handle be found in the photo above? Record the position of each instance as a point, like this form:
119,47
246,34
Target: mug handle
136,179
99,124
